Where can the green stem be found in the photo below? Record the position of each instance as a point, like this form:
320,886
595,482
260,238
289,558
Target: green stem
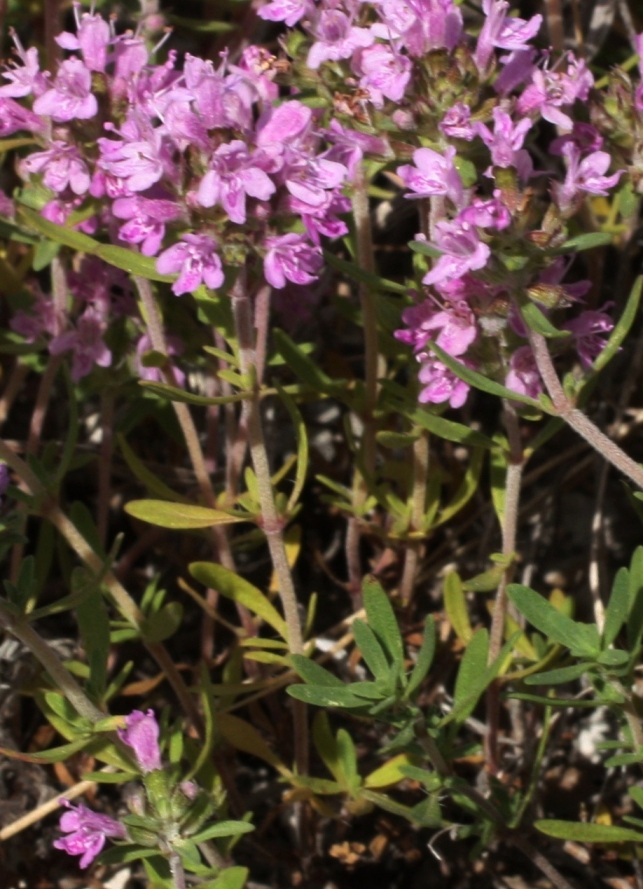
20,627
513,480
374,368
418,500
48,508
272,522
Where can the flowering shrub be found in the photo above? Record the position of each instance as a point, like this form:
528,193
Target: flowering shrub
144,174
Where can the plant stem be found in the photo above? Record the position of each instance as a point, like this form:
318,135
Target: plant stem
20,627
374,368
577,419
513,479
272,522
48,508
105,463
487,808
418,499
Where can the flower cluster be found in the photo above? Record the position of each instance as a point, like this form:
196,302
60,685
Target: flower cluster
205,167
200,167
404,56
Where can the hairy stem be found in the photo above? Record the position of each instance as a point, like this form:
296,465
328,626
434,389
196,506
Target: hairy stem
375,367
513,480
577,419
20,627
272,522
418,495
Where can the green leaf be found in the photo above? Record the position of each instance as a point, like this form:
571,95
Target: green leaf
455,606
622,327
587,241
472,666
382,620
222,829
44,254
466,489
125,853
449,430
370,649
179,516
143,474
230,878
128,260
424,249
173,393
557,677
613,657
230,585
358,274
93,622
348,758
424,658
635,615
163,624
302,447
326,746
624,759
588,833
538,321
581,639
479,381
313,673
637,795
327,696
474,677
301,364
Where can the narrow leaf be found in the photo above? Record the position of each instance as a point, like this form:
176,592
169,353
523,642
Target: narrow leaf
381,619
424,658
449,430
455,606
581,639
230,585
588,833
179,516
479,381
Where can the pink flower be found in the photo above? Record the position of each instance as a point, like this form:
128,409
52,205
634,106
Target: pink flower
86,342
137,158
26,78
142,735
336,38
70,97
421,25
287,11
455,324
506,141
196,261
39,319
433,174
290,257
490,213
154,374
384,73
233,175
549,91
441,384
456,123
14,117
462,251
146,220
523,376
502,31
588,329
62,166
87,832
583,175
93,39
